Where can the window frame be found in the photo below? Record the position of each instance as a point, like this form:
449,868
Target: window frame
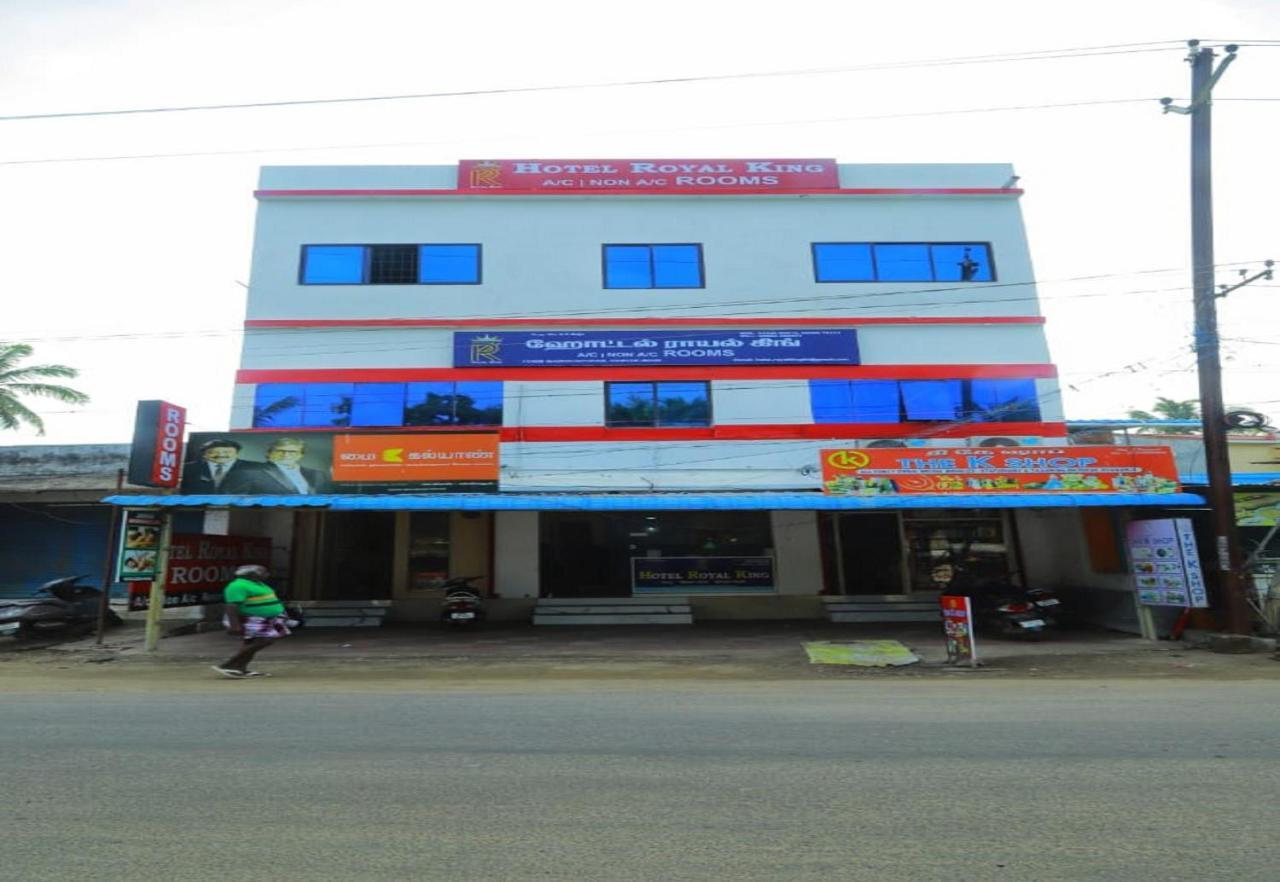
970,411
654,384
604,266
303,410
933,267
366,261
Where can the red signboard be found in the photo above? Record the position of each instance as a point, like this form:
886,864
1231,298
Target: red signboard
652,175
957,626
157,444
200,567
881,471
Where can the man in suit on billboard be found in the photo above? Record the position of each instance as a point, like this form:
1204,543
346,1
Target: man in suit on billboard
284,473
219,470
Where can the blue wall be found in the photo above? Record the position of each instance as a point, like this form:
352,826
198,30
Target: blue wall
41,542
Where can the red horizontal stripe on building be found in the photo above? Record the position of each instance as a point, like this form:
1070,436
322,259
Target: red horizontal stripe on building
655,191
834,432
725,372
781,322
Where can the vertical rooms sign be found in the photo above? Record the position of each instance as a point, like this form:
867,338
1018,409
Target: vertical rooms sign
156,453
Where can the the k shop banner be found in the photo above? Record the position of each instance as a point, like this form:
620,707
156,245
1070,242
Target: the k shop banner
320,463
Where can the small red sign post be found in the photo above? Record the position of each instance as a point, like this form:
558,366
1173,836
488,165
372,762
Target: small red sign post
957,625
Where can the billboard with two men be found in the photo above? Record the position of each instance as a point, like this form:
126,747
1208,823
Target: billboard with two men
321,463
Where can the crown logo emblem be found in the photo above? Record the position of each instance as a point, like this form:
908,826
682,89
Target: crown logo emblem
487,173
485,349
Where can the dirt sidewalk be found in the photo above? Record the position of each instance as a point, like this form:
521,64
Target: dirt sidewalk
427,657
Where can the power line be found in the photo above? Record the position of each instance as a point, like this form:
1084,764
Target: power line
1036,55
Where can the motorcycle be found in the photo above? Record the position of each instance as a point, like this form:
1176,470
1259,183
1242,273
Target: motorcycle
463,606
59,607
1003,609
1047,604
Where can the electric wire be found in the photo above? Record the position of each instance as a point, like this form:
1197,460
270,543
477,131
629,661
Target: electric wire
1034,55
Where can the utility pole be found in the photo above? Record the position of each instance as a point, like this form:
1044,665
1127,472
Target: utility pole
1232,587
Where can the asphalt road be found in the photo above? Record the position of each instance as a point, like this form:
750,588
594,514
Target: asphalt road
875,780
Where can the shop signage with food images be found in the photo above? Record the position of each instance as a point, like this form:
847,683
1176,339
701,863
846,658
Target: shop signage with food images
957,627
1166,563
702,575
579,175
200,567
320,463
900,470
139,545
691,347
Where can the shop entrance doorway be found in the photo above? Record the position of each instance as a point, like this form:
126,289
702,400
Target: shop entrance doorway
356,552
598,554
864,552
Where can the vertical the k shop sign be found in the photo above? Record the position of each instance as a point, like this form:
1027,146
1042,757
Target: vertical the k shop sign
155,459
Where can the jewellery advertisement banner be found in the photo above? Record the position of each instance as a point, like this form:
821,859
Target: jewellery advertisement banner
691,347
1166,563
702,575
321,463
900,470
661,175
200,567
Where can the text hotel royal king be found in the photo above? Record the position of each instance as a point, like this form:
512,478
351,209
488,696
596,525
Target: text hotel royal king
663,174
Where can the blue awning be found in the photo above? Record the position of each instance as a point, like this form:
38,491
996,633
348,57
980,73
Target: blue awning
662,501
1238,479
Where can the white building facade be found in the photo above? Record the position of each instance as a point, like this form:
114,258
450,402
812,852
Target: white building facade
689,336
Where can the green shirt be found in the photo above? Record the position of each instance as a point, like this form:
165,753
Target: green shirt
253,598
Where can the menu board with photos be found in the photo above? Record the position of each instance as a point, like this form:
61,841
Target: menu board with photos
1165,563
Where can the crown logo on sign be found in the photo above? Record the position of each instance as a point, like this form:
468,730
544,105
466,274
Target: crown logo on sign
486,173
485,348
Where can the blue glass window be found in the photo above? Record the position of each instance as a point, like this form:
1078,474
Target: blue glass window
933,399
854,401
299,405
902,262
962,263
449,264
657,404
885,401
1004,401
278,404
653,266
327,404
332,264
377,404
843,262
390,265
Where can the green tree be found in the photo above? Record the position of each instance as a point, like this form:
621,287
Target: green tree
1168,409
17,380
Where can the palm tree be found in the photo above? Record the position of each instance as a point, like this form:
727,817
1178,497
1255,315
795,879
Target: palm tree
16,381
1169,409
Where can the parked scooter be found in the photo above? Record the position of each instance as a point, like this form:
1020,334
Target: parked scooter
1003,609
463,606
1047,604
59,607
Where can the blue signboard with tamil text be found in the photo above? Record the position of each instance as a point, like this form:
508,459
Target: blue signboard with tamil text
613,348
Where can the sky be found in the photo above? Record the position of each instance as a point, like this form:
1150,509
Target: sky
126,237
